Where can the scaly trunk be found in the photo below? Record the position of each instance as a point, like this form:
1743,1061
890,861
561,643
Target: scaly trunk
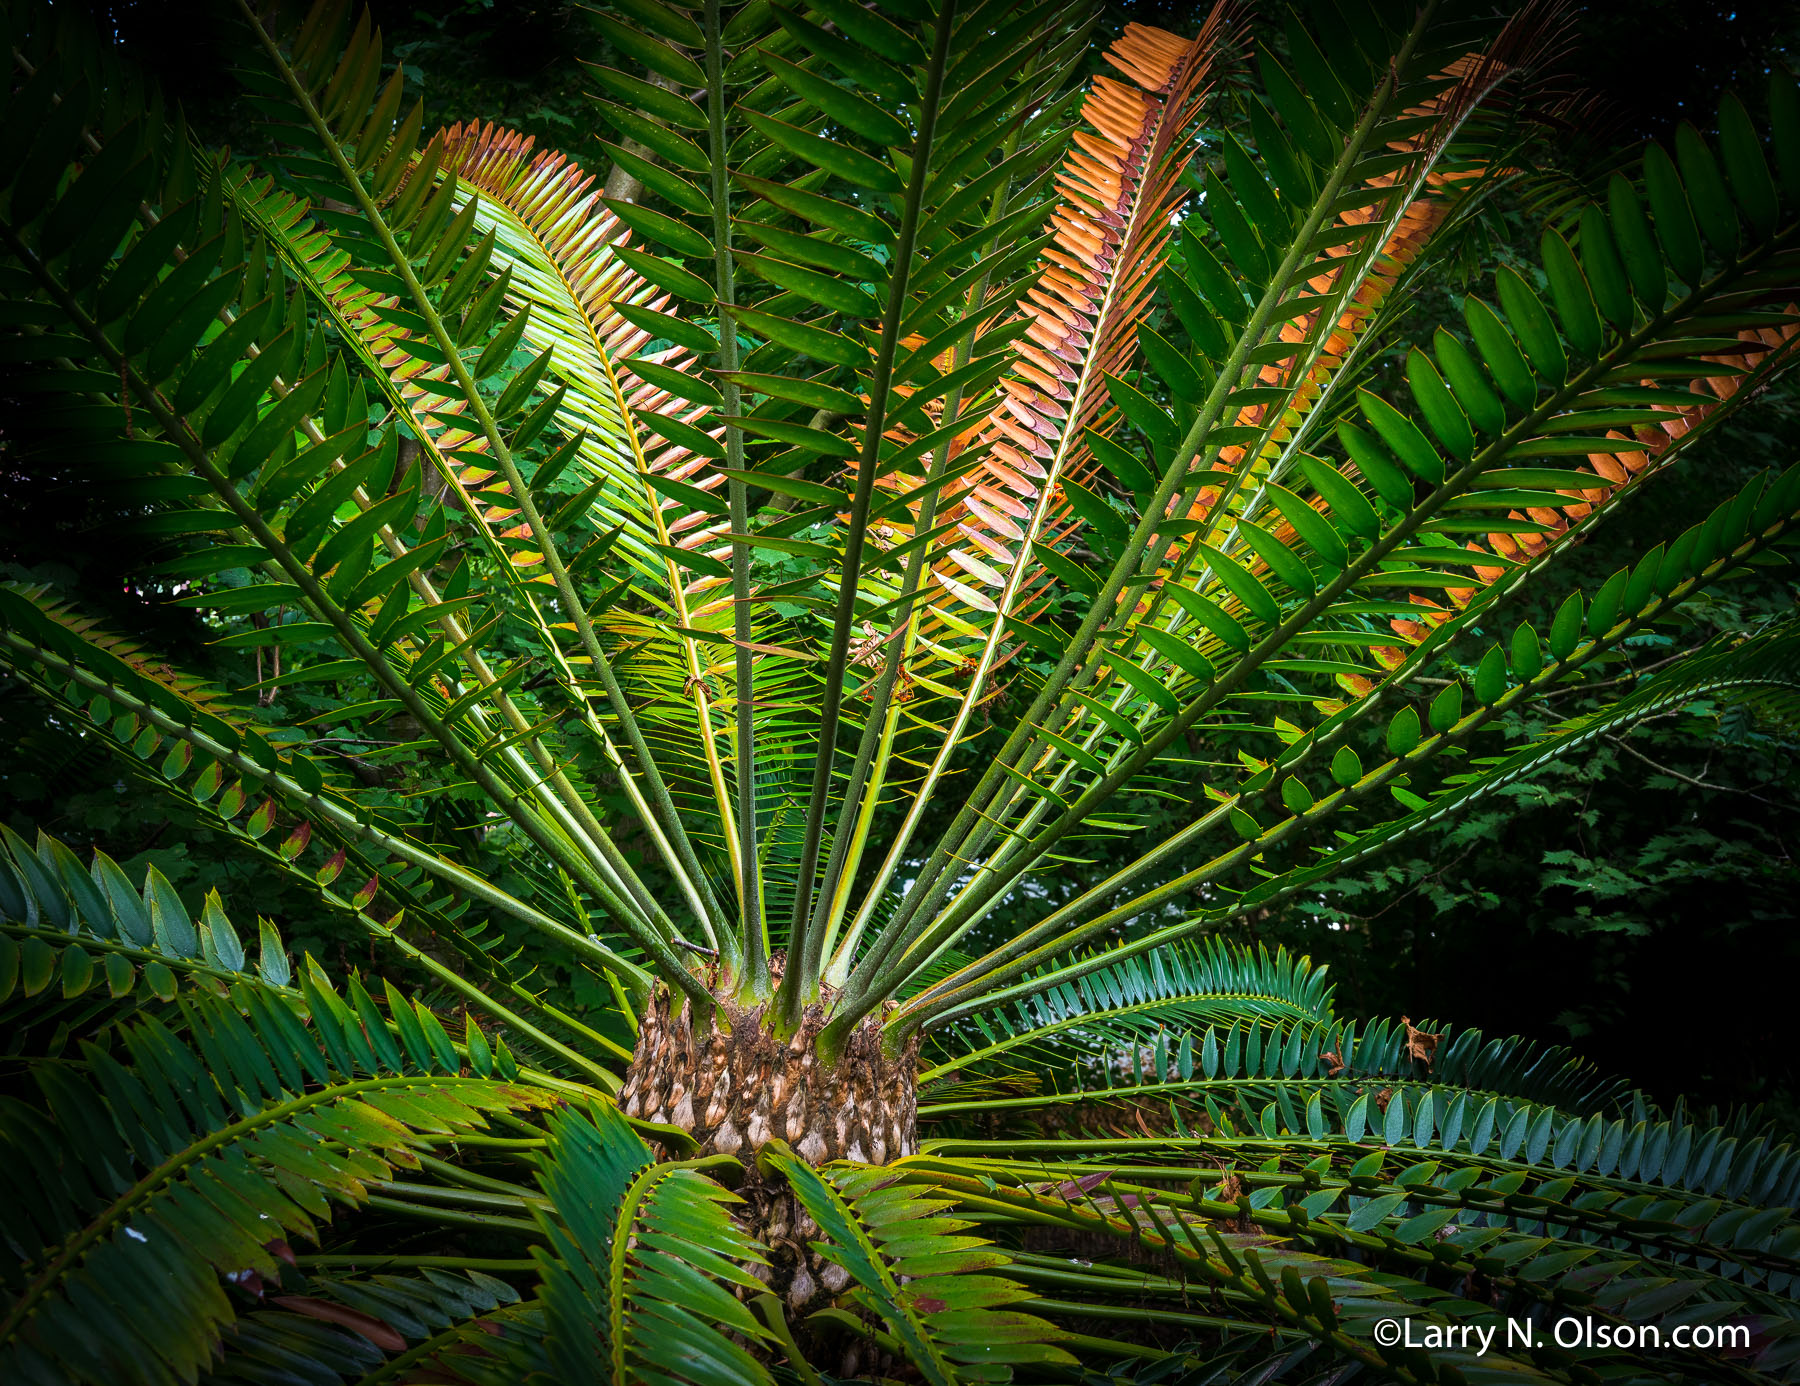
736,1087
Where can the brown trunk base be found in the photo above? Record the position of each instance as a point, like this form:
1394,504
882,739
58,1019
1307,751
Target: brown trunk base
736,1087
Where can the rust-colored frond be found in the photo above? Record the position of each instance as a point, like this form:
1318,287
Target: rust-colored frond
1531,41
385,333
1121,188
1609,472
1421,219
559,239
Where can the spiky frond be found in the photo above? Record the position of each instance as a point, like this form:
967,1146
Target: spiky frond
179,1160
926,1292
1139,999
642,1263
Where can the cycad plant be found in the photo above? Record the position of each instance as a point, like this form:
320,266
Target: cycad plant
800,667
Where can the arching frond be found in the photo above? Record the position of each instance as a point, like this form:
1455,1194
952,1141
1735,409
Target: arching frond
1178,987
642,1263
926,1291
174,1161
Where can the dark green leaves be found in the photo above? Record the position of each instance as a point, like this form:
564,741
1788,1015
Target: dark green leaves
841,103
664,230
1605,272
654,54
1711,204
1532,323
1403,730
1745,164
1439,406
1637,245
1348,505
842,160
1403,436
1242,585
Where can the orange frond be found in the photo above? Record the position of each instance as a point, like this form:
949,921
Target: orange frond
1121,188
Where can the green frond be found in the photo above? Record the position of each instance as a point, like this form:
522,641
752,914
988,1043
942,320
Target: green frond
82,949
1253,1077
642,1262
940,468
926,1290
171,1161
1761,673
558,243
1437,1178
1329,587
1179,987
139,713
1758,517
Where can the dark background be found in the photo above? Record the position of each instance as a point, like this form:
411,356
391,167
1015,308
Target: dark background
1638,905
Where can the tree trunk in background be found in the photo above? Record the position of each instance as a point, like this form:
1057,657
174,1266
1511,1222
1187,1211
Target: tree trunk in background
623,186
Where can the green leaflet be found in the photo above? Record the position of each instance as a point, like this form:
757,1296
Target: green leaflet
826,290
1404,437
1674,217
1712,205
841,104
663,230
846,162
817,342
1348,505
1531,324
1244,586
820,210
1439,406
1500,353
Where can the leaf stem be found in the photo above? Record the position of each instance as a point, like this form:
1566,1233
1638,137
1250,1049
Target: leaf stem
753,926
801,981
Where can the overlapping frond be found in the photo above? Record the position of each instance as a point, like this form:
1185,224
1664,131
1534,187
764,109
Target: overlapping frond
294,810
922,1290
1764,514
648,453
1257,1071
176,1161
558,243
1761,673
1632,1219
1108,236
642,1263
1003,486
1311,590
1178,987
